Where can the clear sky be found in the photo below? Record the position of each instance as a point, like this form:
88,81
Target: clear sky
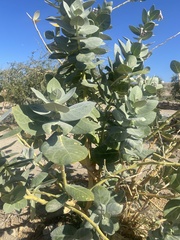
19,37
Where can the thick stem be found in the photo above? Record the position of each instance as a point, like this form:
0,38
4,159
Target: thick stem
30,196
63,173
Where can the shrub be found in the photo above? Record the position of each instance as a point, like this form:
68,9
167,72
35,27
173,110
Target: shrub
20,77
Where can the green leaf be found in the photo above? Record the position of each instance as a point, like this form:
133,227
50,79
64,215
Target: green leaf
67,96
39,95
79,193
78,111
85,126
88,4
55,55
11,133
55,204
103,21
64,25
146,35
175,181
136,48
131,61
5,115
21,115
63,151
8,208
172,210
140,132
49,35
21,204
148,107
15,195
92,42
135,94
77,21
123,69
135,30
67,9
66,128
148,116
83,234
88,29
175,66
104,36
149,26
85,57
55,107
38,179
107,226
54,84
151,89
101,195
114,208
154,15
63,232
144,16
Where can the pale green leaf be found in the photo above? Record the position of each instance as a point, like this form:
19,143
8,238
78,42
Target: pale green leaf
21,115
79,193
54,84
101,195
88,29
175,66
39,95
55,107
135,94
56,204
63,151
85,126
78,111
92,42
66,128
38,179
172,210
36,16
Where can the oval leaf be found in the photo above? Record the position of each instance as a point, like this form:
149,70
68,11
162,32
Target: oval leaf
63,151
79,193
36,16
175,66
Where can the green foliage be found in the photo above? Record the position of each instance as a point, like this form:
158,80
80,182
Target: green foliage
100,117
175,81
20,77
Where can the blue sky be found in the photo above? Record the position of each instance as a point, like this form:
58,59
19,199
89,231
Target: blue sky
19,38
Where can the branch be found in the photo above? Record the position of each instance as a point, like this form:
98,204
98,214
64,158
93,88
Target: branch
96,227
46,46
121,4
167,40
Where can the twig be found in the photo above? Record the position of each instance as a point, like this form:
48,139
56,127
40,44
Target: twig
96,227
46,46
167,40
121,4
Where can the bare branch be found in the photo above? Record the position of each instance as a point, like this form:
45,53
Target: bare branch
121,4
167,40
42,39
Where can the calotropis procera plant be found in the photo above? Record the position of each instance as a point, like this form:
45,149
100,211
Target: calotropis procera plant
97,116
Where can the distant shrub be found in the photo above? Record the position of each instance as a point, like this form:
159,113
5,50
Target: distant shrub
175,84
16,80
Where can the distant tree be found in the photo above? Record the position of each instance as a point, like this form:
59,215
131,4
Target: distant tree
175,83
16,80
